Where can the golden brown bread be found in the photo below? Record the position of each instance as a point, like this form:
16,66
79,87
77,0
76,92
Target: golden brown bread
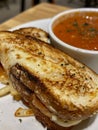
34,32
67,88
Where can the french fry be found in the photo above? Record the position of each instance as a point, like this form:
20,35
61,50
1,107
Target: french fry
21,112
5,90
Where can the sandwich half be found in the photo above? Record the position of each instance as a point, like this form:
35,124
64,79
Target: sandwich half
33,32
61,91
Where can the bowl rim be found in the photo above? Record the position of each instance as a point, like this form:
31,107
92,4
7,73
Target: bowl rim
68,46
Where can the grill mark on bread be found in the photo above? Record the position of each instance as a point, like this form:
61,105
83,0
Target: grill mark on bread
23,76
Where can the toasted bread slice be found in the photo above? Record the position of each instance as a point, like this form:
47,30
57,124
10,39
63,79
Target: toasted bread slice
66,87
30,32
34,32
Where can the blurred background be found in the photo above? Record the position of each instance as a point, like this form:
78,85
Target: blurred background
10,8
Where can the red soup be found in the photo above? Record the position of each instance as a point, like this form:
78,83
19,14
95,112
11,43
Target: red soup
79,30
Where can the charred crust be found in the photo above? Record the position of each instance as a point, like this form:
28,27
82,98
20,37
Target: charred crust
21,88
23,81
23,76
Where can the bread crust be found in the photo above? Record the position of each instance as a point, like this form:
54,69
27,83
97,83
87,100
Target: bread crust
34,33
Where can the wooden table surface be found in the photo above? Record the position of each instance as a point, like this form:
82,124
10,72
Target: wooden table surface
41,11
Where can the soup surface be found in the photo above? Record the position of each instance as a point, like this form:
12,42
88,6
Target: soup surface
79,30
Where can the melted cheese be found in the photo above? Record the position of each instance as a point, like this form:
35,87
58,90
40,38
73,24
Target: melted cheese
64,124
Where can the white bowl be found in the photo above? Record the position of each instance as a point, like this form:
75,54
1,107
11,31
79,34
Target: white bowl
88,57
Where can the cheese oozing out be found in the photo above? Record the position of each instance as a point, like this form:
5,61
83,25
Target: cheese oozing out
64,123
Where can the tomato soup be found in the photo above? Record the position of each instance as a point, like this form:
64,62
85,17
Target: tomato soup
79,30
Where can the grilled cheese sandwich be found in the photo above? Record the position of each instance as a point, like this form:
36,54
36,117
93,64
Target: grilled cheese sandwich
66,88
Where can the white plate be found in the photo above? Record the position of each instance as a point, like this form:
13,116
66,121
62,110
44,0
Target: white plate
8,106
43,24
